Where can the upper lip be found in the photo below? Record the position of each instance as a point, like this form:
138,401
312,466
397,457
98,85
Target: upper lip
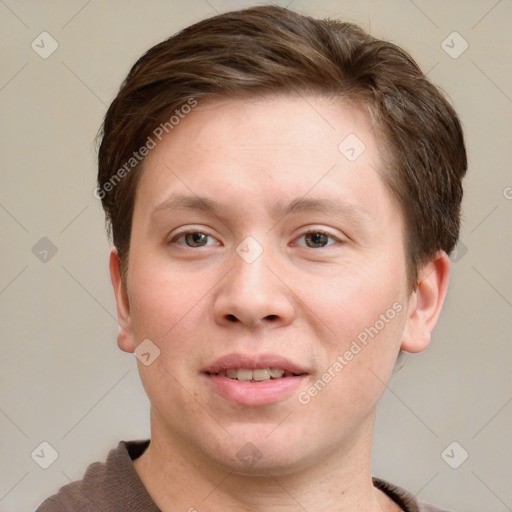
252,362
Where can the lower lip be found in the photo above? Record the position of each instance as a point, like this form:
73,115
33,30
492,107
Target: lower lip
255,393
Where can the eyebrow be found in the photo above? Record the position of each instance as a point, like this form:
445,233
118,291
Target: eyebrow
179,202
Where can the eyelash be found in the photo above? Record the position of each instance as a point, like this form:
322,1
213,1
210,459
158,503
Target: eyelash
309,232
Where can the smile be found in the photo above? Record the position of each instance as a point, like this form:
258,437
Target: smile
256,374
255,379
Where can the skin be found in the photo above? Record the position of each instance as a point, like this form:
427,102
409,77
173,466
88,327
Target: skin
307,303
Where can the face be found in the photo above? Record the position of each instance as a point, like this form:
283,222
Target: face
267,266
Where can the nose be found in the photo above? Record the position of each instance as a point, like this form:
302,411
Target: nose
254,293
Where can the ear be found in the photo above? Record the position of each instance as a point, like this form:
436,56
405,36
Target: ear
125,337
426,302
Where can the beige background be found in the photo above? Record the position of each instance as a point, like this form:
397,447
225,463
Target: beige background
64,381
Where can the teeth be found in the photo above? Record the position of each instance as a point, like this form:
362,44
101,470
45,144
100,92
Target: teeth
244,374
258,374
261,374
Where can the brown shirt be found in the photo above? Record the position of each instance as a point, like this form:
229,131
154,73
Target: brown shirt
115,486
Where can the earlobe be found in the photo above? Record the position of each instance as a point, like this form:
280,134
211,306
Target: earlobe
426,303
125,339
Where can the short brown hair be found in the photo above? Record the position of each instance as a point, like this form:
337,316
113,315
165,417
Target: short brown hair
270,50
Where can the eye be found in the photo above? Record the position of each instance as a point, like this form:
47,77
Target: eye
193,239
317,239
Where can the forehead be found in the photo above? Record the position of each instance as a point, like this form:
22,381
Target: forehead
285,126
270,149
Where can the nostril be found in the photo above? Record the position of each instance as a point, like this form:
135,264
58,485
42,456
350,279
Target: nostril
232,318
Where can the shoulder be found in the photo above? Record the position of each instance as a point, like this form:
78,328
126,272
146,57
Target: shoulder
112,485
407,501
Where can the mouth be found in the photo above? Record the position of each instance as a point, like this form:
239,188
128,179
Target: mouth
256,374
254,380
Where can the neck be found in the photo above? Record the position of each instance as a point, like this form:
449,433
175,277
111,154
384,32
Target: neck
177,479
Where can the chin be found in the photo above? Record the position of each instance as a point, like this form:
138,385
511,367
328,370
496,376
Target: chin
256,454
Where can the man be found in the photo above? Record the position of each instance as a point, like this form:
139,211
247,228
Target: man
282,194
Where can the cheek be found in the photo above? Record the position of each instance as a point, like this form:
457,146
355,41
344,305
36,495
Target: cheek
352,303
165,305
363,318
166,308
358,365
